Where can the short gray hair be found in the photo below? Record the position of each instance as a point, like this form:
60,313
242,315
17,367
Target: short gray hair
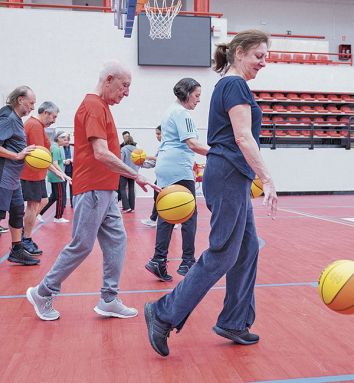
20,91
59,134
112,68
49,107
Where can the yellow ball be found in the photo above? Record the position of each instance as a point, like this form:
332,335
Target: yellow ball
336,286
175,204
138,156
256,188
39,158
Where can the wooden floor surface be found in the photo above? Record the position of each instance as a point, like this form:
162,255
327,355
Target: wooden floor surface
300,338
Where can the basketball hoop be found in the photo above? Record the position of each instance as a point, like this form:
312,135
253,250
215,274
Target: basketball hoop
161,17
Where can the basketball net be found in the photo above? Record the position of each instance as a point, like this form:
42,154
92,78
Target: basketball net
161,17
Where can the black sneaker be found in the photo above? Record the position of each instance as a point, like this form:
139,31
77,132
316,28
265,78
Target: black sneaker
237,336
184,267
158,331
31,247
159,269
23,257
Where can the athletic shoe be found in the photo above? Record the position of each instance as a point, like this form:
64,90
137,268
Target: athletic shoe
159,269
40,218
238,336
31,247
23,257
184,267
149,222
115,309
43,306
126,211
60,220
158,331
3,230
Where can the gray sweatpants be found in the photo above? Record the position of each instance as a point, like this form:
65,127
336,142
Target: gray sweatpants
96,215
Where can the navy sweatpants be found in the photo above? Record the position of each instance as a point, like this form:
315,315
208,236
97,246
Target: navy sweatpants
233,250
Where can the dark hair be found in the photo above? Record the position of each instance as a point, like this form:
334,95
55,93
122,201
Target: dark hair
225,53
130,141
184,88
21,91
125,132
158,128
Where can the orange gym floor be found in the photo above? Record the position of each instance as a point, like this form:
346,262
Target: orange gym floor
301,340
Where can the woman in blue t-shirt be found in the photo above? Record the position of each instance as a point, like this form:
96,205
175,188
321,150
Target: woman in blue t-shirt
233,160
175,166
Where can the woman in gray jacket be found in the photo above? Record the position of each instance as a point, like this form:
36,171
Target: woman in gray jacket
128,199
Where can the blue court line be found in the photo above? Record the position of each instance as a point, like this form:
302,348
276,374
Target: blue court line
322,379
312,284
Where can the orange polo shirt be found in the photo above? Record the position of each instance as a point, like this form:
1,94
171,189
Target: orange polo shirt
35,135
93,119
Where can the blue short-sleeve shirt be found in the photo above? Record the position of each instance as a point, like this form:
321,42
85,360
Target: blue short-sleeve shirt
229,92
176,159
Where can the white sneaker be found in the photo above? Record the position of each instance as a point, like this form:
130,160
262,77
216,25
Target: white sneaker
43,306
149,222
40,218
115,309
60,220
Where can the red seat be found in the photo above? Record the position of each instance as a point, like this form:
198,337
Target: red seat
319,121
292,120
333,97
293,96
281,132
294,133
299,57
286,57
293,108
323,58
278,120
311,58
346,109
265,96
279,108
255,95
306,96
333,133
344,120
332,109
266,133
266,108
332,120
266,120
274,57
320,133
320,97
279,96
346,97
305,120
306,108
320,109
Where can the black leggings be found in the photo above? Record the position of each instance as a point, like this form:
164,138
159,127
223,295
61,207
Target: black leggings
58,195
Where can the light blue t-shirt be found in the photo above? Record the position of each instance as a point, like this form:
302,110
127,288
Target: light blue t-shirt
176,159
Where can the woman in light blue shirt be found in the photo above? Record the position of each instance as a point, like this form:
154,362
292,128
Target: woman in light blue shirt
175,166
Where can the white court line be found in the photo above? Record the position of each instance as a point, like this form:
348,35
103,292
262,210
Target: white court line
332,220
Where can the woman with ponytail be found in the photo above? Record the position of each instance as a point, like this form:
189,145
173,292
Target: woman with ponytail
233,161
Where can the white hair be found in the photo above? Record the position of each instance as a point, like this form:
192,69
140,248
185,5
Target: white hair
112,68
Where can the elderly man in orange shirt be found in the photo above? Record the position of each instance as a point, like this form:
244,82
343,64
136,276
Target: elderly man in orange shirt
33,180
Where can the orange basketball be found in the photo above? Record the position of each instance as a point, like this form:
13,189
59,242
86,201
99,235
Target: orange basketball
175,204
256,188
138,156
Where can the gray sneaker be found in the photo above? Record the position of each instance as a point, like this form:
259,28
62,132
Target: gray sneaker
115,309
42,305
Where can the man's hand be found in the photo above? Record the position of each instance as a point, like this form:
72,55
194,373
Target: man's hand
270,197
143,182
24,152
